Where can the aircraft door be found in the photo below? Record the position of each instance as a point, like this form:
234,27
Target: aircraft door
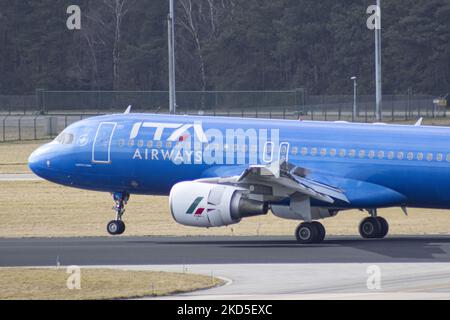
101,149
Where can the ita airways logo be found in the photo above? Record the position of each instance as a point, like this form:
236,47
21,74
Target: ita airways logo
196,209
179,131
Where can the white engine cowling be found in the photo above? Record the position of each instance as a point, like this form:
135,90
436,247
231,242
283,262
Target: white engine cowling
207,205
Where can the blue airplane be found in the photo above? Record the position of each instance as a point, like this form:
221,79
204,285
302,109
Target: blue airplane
218,171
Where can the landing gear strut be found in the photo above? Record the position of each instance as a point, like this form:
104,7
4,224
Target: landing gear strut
117,227
310,232
373,227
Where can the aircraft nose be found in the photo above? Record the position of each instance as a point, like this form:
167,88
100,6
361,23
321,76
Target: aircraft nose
39,161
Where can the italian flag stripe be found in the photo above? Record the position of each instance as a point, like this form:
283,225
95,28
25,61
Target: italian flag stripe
194,205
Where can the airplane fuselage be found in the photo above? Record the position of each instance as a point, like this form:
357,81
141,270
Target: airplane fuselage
149,154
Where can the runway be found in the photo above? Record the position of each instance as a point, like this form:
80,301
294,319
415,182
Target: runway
261,267
19,177
321,281
219,250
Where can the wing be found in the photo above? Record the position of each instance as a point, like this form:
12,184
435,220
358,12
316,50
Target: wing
281,180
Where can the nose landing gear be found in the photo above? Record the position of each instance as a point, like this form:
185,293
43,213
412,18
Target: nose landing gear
117,227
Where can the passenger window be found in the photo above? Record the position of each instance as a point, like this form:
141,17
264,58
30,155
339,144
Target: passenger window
420,156
381,155
352,153
430,157
372,154
448,158
304,151
323,152
314,152
440,157
362,154
294,151
391,155
410,156
333,152
342,153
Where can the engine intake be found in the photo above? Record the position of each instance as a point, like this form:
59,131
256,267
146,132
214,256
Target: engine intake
207,205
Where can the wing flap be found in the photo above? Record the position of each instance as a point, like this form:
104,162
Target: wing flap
285,179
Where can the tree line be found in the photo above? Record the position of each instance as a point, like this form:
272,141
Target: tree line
224,45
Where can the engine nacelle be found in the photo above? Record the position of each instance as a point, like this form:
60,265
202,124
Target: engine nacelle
207,205
285,212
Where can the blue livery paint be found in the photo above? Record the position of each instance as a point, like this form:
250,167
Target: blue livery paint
375,165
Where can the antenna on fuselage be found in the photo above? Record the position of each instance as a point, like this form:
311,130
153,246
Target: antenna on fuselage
419,123
128,111
405,210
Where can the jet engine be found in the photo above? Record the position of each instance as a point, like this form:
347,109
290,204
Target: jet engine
207,205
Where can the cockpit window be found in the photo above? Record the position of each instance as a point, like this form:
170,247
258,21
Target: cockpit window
60,138
68,139
65,138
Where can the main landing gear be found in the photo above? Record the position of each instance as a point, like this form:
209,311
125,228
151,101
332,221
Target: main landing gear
117,227
310,232
373,227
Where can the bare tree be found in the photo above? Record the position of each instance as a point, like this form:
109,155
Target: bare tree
103,30
189,21
119,9
201,20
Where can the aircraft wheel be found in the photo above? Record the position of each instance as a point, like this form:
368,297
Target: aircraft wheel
115,227
307,233
384,230
370,228
122,227
322,231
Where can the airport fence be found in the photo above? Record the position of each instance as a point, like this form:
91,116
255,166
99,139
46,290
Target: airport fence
45,114
28,127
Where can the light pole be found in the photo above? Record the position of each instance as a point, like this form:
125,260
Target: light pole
378,81
355,92
171,58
